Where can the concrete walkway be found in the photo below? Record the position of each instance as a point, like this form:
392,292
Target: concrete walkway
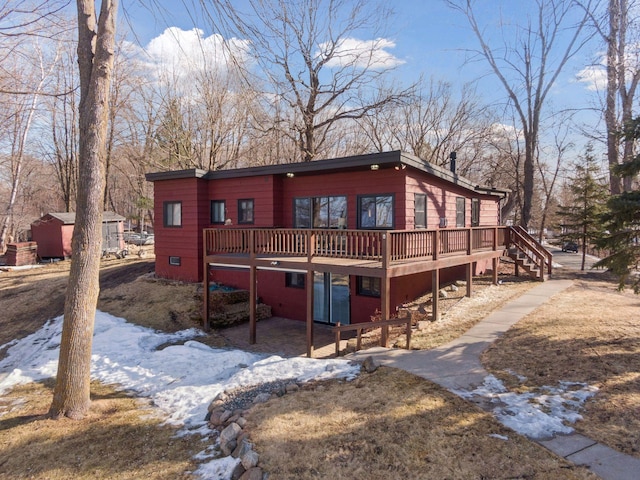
456,366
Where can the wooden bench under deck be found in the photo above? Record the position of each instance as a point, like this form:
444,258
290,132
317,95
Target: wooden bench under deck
360,327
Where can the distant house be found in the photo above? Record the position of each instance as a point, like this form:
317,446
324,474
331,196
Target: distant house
330,240
53,233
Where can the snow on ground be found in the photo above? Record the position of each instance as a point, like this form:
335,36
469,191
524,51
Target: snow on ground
538,414
181,380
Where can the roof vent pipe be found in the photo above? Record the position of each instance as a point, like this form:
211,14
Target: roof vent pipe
452,162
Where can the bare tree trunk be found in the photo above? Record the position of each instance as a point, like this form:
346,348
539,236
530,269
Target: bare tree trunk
613,139
95,62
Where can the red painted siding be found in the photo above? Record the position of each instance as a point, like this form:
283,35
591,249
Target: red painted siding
184,242
273,207
53,237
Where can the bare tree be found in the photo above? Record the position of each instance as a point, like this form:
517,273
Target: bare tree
23,108
307,51
618,26
96,44
433,122
528,66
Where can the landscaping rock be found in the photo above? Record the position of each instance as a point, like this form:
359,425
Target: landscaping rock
226,415
238,471
453,287
292,387
443,293
254,474
262,398
228,438
249,459
243,447
370,365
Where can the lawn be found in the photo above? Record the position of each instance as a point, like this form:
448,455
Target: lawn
388,424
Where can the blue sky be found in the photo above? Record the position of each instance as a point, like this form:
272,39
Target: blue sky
430,39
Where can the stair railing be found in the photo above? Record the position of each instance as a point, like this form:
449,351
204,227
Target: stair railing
532,249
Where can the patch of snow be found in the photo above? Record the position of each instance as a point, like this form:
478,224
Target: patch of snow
498,436
536,414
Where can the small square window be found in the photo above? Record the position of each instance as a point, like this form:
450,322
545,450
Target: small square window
174,261
294,279
368,286
245,210
172,214
218,211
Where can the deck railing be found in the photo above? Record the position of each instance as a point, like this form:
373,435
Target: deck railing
396,245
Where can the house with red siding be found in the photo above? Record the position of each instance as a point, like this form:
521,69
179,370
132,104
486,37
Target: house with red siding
332,241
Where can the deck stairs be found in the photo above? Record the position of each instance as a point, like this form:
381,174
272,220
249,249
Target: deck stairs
529,254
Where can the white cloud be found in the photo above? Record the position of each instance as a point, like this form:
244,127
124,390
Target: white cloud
594,76
185,52
363,53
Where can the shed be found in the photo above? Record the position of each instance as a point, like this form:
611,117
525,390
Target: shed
53,233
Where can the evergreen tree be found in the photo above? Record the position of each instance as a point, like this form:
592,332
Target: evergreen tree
622,221
582,218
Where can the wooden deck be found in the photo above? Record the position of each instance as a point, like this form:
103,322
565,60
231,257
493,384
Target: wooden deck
376,253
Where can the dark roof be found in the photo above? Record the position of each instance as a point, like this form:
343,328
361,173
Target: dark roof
359,162
69,218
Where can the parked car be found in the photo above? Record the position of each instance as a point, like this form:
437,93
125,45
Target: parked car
570,247
139,238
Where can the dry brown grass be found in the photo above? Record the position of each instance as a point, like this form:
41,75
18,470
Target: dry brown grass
385,425
392,425
590,333
460,313
119,439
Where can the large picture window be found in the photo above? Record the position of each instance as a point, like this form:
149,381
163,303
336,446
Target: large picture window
245,210
376,211
420,210
172,214
475,212
460,220
320,212
218,209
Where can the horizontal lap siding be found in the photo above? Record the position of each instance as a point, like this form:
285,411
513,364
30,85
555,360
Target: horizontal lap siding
185,241
260,189
441,202
349,184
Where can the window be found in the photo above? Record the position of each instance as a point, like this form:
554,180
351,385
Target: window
218,211
460,220
174,261
294,279
368,286
245,210
420,210
320,212
172,214
376,211
475,212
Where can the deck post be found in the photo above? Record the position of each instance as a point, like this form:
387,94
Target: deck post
309,287
495,266
435,292
469,279
253,290
385,286
205,295
205,284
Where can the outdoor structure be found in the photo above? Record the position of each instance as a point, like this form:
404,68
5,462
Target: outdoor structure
334,241
53,233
